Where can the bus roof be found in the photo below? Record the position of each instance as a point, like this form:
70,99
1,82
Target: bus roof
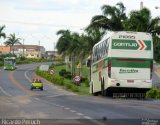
128,44
10,58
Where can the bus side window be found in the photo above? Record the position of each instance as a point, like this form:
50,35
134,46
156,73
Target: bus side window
94,55
107,46
104,48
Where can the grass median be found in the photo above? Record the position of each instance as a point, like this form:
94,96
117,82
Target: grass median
67,84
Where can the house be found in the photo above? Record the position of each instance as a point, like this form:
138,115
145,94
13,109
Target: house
5,49
52,55
29,51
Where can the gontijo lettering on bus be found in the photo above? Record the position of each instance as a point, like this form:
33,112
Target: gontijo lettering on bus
131,44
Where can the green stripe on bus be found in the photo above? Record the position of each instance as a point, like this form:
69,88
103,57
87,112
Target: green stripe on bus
105,63
130,44
118,63
148,44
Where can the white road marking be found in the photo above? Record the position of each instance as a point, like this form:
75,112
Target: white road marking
80,114
25,74
87,117
7,94
52,96
57,105
72,111
62,106
67,108
36,99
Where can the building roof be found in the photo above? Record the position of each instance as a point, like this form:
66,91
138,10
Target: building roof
27,47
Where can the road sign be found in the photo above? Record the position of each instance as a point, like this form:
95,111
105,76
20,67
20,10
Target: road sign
44,67
77,78
52,72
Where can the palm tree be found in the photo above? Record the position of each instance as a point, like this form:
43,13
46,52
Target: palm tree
2,34
141,21
12,40
111,19
63,42
93,36
71,44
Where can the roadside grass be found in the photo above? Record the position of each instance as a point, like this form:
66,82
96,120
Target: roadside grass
67,84
1,64
83,89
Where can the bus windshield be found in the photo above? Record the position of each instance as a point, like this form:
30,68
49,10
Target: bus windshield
8,62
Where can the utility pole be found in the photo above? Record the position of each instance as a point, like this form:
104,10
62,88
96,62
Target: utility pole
54,46
141,5
23,47
39,48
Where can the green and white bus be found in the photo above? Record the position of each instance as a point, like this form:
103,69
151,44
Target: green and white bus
122,61
9,63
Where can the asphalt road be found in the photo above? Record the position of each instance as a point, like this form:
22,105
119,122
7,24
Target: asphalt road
57,106
156,75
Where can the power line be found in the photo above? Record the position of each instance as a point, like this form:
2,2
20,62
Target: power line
35,23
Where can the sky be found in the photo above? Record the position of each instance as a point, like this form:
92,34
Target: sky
37,21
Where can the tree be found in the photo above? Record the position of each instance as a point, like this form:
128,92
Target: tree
2,34
12,40
142,21
111,19
93,35
63,42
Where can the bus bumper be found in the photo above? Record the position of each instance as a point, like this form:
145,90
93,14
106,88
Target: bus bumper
130,83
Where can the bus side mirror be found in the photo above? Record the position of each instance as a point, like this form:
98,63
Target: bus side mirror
88,63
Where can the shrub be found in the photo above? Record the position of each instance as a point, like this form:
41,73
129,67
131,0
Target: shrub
51,66
62,72
59,81
83,79
22,58
86,82
1,63
68,75
153,93
74,88
68,85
